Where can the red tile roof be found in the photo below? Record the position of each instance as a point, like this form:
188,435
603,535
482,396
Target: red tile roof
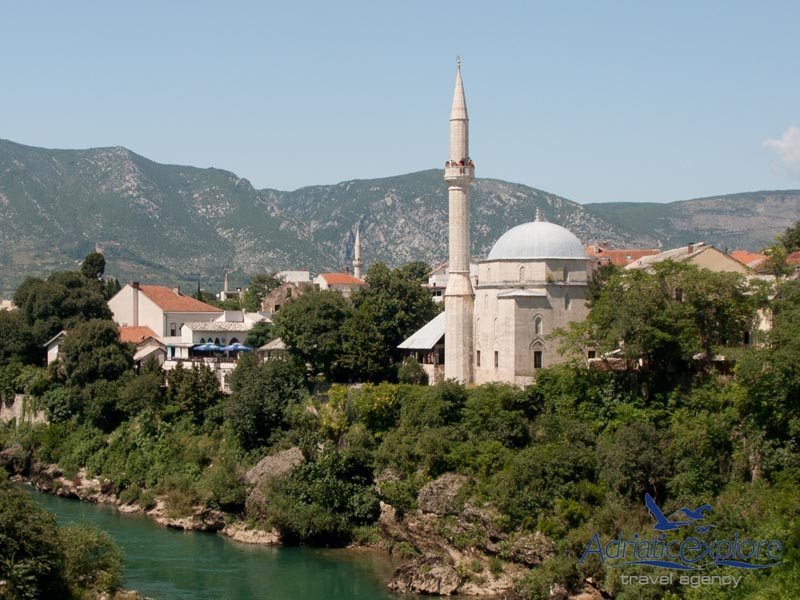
748,258
793,258
341,279
135,334
621,257
168,299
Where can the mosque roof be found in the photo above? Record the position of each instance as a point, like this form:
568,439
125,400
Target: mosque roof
537,239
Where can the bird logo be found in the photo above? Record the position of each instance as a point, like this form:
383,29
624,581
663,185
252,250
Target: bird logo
690,516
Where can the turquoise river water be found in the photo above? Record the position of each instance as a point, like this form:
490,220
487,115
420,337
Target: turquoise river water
165,564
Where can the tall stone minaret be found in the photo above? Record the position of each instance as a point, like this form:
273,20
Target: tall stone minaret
458,297
357,254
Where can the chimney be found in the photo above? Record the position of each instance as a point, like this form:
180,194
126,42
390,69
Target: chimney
135,303
177,290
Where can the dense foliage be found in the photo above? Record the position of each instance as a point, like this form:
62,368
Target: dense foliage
40,561
695,416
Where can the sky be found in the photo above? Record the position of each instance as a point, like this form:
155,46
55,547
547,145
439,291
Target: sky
594,101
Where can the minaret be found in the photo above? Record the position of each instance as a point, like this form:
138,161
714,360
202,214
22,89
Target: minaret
225,292
458,297
357,254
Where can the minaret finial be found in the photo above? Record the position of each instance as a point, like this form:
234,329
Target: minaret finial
458,61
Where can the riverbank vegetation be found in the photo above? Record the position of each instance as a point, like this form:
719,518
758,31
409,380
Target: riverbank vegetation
682,409
40,560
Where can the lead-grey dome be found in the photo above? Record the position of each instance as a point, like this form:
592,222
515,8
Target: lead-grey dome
537,239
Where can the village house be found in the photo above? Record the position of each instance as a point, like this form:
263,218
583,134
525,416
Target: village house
604,254
700,254
147,345
342,283
164,310
278,297
228,334
52,347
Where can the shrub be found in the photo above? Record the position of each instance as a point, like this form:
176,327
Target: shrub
30,558
411,372
92,560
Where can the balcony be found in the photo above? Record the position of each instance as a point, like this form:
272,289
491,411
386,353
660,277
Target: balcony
454,171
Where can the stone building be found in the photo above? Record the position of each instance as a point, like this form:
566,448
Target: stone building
534,280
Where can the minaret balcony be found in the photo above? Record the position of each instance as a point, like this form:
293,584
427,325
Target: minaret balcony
454,172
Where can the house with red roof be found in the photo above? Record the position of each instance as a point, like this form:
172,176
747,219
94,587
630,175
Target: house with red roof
753,260
621,257
343,283
162,309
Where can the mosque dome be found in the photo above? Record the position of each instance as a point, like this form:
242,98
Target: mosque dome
538,240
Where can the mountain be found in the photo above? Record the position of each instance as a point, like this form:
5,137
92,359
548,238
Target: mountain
748,220
177,224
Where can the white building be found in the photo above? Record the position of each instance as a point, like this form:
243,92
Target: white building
496,322
162,309
342,283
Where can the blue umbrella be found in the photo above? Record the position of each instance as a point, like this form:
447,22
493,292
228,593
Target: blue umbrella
237,347
207,347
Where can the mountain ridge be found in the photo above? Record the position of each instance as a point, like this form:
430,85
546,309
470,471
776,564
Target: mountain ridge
180,224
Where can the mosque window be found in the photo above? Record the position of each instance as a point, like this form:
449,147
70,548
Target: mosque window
478,358
567,302
566,274
522,273
537,359
496,359
537,325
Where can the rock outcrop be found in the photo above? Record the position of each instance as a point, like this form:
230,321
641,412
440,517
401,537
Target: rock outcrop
427,575
440,496
269,467
201,519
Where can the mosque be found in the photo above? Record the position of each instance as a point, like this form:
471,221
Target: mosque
533,281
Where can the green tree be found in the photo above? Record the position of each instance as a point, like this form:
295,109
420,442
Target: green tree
16,340
30,557
412,372
60,302
260,397
667,317
311,328
193,391
93,351
396,302
261,333
790,239
92,560
260,285
93,266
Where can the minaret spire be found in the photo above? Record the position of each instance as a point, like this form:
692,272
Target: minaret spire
458,296
357,254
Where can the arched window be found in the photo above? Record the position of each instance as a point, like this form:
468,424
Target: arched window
216,341
486,301
489,274
567,302
566,274
522,273
537,353
202,340
537,325
234,341
495,327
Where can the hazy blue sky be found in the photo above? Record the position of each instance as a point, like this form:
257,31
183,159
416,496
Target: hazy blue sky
595,101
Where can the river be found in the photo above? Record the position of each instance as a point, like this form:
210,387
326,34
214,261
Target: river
166,564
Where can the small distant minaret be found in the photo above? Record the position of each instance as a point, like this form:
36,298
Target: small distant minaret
357,254
458,296
225,292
